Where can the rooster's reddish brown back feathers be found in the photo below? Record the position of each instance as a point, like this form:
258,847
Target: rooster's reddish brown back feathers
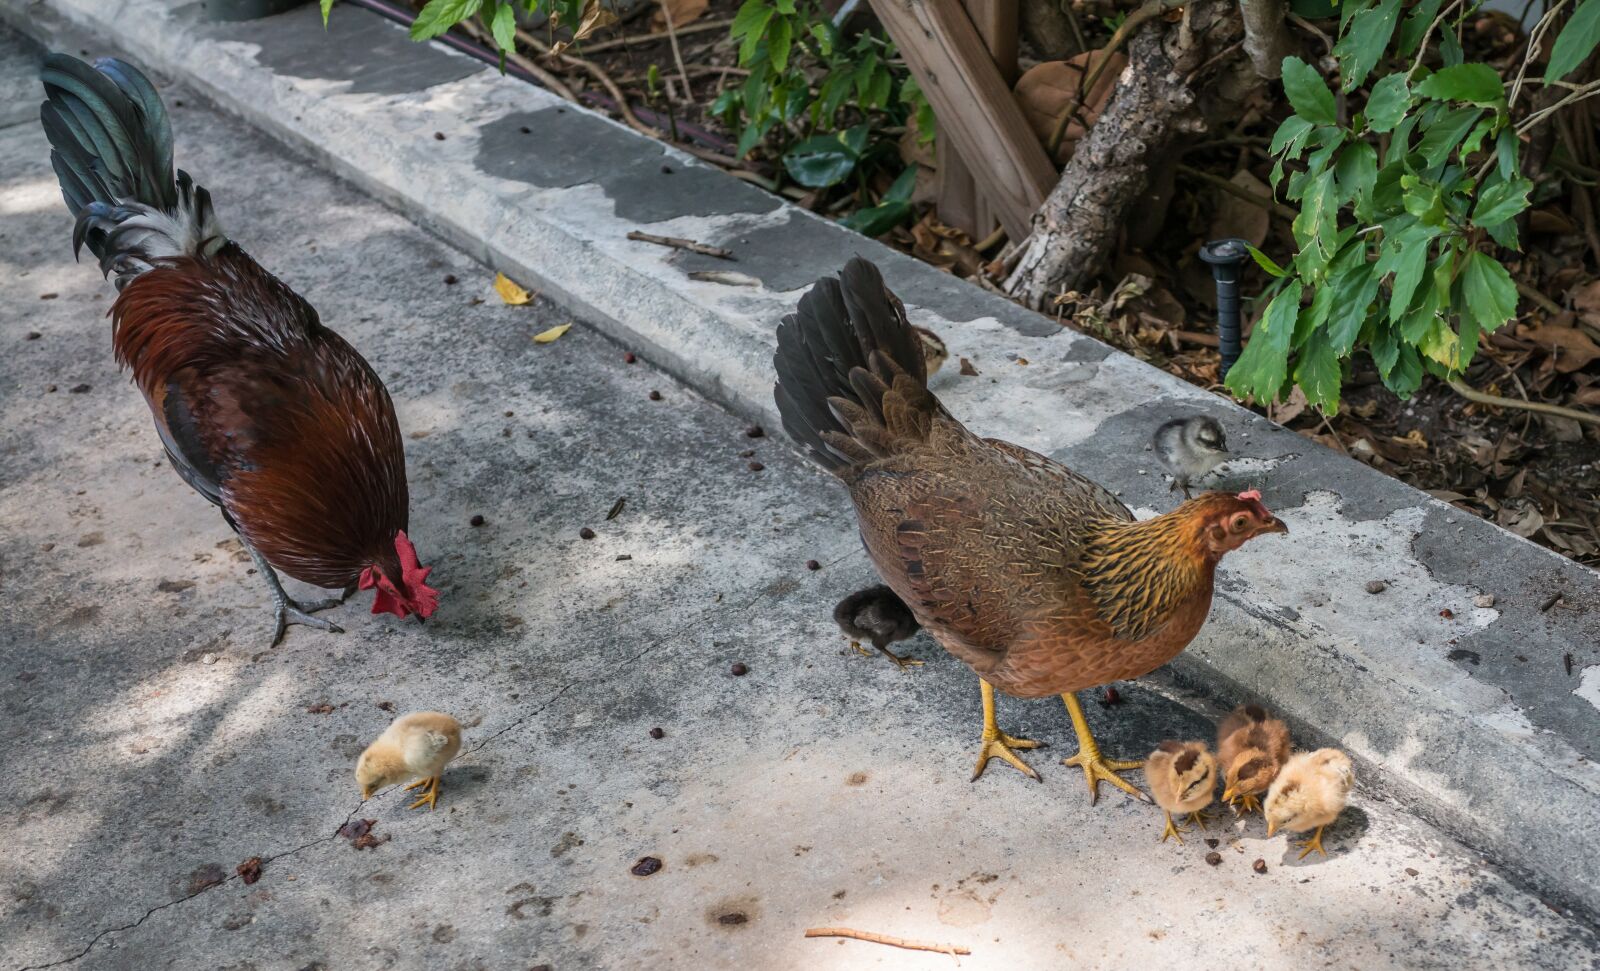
263,410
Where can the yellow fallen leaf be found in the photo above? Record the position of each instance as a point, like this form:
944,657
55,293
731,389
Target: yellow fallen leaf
551,334
509,291
595,17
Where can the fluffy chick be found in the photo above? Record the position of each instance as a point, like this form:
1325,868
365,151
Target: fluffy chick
1310,793
1189,448
934,351
1252,747
1183,779
415,745
877,615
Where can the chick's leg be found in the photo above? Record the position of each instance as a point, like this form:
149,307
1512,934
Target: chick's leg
1314,843
285,609
1095,767
430,795
997,743
1171,830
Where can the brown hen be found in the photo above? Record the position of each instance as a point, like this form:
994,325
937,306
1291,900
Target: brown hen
1036,577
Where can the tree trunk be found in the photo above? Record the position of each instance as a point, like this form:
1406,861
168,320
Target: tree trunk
1266,35
1075,231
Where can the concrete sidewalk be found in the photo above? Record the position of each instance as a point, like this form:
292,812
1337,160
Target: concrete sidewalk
154,742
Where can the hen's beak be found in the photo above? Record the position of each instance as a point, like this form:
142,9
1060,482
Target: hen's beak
1272,827
1276,526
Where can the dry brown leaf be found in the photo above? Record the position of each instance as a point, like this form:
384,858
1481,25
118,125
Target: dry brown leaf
510,292
596,16
1586,297
682,11
1049,89
1292,407
1237,218
1572,347
1549,222
546,337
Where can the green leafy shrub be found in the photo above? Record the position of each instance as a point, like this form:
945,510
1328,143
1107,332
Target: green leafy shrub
1400,207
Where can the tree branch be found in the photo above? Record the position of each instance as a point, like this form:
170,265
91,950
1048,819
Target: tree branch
1266,35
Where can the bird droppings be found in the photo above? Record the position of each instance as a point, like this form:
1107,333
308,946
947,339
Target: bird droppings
813,565
755,431
1109,697
756,467
208,658
967,370
1447,614
647,866
1376,586
78,389
322,709
359,833
249,871
48,296
444,934
438,136
616,508
628,358
32,335
1214,858
1549,602
174,586
733,920
747,453
477,520
1484,600
1260,866
450,279
1566,659
1212,842
623,557
1412,871
738,670
655,395
856,779
586,533
657,733
386,705
1462,654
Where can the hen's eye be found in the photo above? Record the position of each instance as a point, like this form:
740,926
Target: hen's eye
1241,522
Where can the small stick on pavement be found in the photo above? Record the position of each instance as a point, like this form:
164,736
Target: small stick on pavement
685,244
855,935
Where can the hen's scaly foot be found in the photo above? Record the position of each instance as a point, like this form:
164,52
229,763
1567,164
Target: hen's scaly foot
1001,747
431,796
1096,768
287,612
1172,830
1314,843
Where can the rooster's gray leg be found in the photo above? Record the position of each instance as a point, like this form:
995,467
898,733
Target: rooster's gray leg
286,610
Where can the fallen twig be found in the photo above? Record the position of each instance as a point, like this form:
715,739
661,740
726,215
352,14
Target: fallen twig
1472,394
1255,198
616,42
951,949
683,244
677,55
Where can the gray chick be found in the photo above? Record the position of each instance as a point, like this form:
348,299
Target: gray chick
1189,448
877,615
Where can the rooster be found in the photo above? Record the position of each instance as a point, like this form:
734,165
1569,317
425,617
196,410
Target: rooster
1039,579
261,409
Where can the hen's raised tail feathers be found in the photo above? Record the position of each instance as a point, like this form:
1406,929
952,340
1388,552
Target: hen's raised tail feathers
852,381
111,147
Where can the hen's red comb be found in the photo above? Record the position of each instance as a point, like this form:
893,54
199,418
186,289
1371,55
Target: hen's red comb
1251,495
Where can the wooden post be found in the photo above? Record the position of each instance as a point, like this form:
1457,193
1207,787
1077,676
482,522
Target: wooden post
978,118
960,203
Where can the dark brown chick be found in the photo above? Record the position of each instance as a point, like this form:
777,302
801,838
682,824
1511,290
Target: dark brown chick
877,616
1252,746
1183,779
1039,579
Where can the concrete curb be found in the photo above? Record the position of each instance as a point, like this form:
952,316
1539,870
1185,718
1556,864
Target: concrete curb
1466,713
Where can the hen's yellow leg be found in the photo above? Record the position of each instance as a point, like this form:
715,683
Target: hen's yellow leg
1171,830
997,743
1095,767
431,796
1314,843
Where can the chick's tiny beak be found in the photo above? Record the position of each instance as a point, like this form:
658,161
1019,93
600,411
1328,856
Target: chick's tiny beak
1272,827
1227,794
366,792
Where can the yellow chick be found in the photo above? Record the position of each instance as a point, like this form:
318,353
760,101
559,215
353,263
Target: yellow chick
1183,779
1252,746
1309,793
418,744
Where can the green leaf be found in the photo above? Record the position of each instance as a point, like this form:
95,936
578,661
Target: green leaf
780,40
504,27
1505,152
821,160
878,89
1445,135
1365,41
1307,92
1264,365
750,23
1291,136
440,15
1265,262
1504,233
1501,201
1385,350
879,219
1318,374
1353,292
1406,376
1440,343
1490,295
1356,172
1388,102
903,186
1423,200
327,8
1416,25
1450,49
1407,257
1577,39
1473,83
